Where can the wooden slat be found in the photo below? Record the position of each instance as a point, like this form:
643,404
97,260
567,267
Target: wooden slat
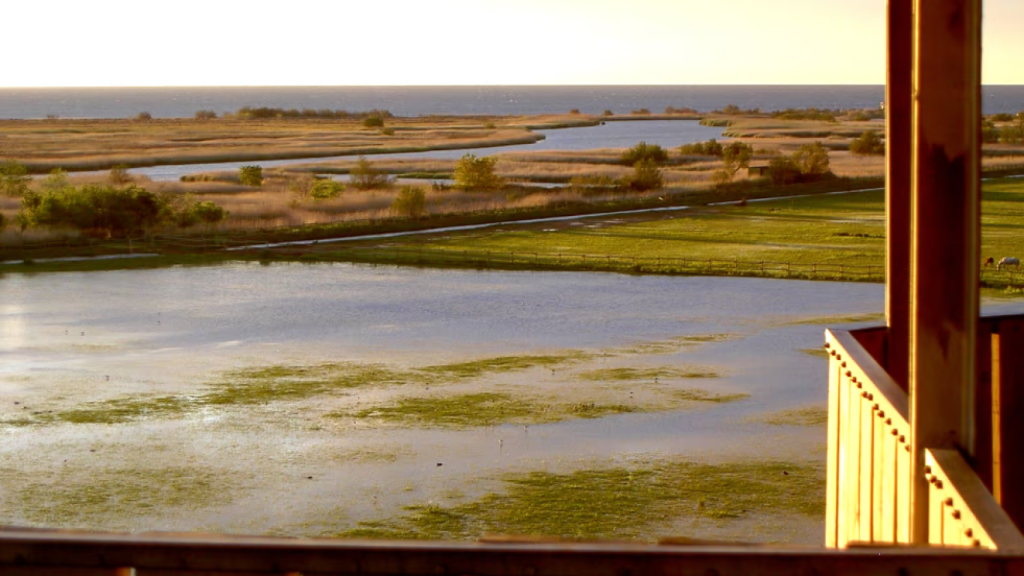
1008,418
853,474
903,459
881,471
983,407
946,221
867,466
832,466
888,500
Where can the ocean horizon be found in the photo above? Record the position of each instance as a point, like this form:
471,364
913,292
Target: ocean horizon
184,102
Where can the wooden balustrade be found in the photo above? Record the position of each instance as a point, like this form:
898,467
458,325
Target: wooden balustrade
868,449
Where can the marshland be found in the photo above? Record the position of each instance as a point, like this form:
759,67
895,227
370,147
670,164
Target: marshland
426,386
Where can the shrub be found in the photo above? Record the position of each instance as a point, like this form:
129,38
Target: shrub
373,122
784,170
411,202
589,184
119,175
646,176
812,159
644,151
574,111
387,131
607,113
251,175
14,179
143,116
477,173
105,210
205,115
674,110
204,211
869,143
365,176
641,111
326,189
710,148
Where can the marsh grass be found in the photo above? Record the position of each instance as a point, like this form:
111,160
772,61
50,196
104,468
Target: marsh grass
806,416
674,344
264,385
816,352
459,411
78,499
629,374
616,502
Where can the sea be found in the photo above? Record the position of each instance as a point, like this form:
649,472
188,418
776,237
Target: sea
184,102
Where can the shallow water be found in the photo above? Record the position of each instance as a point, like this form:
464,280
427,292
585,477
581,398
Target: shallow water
69,338
667,133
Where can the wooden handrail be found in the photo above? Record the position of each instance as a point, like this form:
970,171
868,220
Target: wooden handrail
962,512
35,553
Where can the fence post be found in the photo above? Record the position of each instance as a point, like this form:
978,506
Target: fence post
511,257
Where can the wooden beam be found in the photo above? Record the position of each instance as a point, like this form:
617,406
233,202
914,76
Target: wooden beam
945,220
898,109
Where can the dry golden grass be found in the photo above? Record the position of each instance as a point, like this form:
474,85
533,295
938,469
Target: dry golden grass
99,144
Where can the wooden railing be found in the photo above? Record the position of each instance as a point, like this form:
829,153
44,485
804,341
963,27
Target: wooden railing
869,452
962,512
49,553
868,497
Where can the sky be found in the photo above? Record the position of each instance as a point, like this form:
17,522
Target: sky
465,42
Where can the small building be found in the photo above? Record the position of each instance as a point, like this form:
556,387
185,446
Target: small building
759,171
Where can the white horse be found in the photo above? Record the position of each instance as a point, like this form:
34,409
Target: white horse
1007,261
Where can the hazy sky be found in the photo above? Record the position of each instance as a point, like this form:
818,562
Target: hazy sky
457,42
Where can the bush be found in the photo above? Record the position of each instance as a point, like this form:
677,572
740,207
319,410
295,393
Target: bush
14,179
411,202
364,176
326,189
373,122
735,157
607,113
251,175
473,173
206,212
143,116
119,175
710,148
869,143
641,111
784,171
812,159
205,115
644,151
646,176
574,111
103,210
387,131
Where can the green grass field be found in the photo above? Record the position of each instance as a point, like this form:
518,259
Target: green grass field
822,232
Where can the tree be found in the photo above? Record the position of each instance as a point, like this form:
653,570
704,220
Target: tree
869,143
735,157
326,189
14,179
205,115
473,173
373,122
646,176
710,148
644,151
812,159
251,175
365,176
784,170
143,116
102,210
411,202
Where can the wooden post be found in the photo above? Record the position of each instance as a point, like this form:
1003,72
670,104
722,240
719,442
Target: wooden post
898,100
945,220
